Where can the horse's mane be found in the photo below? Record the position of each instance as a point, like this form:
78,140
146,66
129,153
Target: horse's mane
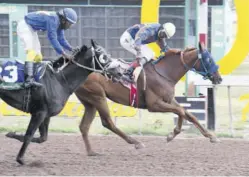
189,49
59,61
168,54
82,49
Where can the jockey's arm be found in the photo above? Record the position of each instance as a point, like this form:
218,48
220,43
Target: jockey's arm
141,36
62,40
165,47
133,27
52,36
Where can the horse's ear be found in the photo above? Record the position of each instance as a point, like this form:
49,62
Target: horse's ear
83,48
201,46
93,43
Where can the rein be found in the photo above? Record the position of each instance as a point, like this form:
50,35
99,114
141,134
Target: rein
184,64
102,71
205,73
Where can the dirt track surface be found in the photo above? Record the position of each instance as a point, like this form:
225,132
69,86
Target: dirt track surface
65,155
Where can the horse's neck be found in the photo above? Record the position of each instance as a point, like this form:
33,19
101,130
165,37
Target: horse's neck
74,76
171,68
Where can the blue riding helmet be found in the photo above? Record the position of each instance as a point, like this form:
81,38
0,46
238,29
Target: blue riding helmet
69,14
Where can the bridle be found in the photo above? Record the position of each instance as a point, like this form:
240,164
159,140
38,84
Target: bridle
103,69
74,61
204,73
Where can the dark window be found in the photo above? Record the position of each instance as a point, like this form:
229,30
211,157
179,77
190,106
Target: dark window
172,2
47,1
215,2
174,15
115,2
209,28
4,36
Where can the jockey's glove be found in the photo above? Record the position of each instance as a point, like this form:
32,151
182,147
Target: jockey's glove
67,56
75,50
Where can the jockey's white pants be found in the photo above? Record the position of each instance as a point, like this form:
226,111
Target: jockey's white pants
127,42
29,37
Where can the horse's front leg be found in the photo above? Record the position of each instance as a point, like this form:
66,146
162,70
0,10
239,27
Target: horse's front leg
107,122
177,129
13,135
35,122
43,129
174,107
161,106
191,118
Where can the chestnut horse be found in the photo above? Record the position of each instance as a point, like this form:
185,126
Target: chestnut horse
158,95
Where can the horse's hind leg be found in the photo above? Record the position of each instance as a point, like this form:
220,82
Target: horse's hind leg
107,122
178,127
191,118
86,121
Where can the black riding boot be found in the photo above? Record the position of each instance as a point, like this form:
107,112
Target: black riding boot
129,74
29,74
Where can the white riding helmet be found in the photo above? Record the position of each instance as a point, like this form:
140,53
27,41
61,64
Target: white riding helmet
169,29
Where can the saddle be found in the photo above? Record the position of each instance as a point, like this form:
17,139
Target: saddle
116,68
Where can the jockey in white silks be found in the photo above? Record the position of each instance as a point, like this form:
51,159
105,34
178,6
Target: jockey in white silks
135,38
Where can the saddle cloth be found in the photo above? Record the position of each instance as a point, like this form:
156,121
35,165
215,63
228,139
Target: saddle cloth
12,73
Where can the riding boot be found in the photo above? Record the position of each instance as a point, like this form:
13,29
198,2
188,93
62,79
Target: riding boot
128,74
29,72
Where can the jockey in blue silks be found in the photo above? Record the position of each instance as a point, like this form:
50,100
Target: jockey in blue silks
135,38
54,23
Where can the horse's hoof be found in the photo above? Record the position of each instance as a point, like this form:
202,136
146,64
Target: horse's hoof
92,153
170,137
214,140
10,134
20,161
139,146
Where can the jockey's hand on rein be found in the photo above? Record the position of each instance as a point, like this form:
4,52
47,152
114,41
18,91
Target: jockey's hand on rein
75,50
67,56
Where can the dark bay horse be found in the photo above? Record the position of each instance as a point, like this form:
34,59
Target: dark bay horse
161,78
49,100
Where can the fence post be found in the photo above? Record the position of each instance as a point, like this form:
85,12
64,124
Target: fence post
230,110
211,109
140,121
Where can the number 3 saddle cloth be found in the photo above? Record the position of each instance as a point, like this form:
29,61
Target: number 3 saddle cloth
12,74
